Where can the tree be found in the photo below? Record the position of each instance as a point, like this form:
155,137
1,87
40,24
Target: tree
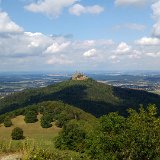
17,134
72,137
106,141
61,119
135,137
143,133
7,122
30,117
46,120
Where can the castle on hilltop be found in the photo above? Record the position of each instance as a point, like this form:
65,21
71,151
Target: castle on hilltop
79,77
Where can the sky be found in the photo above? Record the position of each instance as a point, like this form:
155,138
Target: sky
79,35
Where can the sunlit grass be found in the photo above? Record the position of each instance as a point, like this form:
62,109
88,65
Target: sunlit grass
33,132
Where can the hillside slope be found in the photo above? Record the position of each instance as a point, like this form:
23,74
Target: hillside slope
89,95
31,130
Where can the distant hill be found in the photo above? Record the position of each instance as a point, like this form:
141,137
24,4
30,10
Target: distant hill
88,95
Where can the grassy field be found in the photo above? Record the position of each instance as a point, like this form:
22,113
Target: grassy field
38,143
33,132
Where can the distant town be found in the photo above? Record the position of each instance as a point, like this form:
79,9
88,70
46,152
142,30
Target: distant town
11,83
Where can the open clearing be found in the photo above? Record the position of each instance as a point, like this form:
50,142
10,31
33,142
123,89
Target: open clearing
32,131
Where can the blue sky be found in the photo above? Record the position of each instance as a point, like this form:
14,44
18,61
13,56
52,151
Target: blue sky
83,35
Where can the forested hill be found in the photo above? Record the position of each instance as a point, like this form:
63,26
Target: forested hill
89,95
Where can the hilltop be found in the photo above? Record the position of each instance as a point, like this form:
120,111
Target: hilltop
79,77
88,95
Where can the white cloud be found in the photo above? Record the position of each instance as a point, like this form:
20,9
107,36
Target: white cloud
51,8
114,59
130,2
156,15
56,47
155,54
7,25
90,53
124,51
123,48
59,60
156,30
24,44
79,9
135,54
87,44
156,10
131,26
146,41
27,48
37,40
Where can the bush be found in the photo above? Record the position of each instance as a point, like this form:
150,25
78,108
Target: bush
135,137
46,120
30,117
7,122
17,134
72,137
61,119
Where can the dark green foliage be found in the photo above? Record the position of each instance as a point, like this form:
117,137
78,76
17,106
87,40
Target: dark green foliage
7,122
17,134
143,129
106,142
30,116
89,95
72,137
136,137
58,111
46,120
62,119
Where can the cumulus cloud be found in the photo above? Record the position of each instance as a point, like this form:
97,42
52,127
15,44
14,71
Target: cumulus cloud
90,53
51,8
79,9
147,41
135,54
156,30
153,54
156,10
123,48
130,2
7,25
114,58
125,51
26,48
23,44
56,47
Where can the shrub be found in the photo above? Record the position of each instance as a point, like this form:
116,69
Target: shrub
61,119
135,137
30,117
46,120
72,137
17,134
7,122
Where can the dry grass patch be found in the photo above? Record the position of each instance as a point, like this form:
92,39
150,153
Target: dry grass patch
34,131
